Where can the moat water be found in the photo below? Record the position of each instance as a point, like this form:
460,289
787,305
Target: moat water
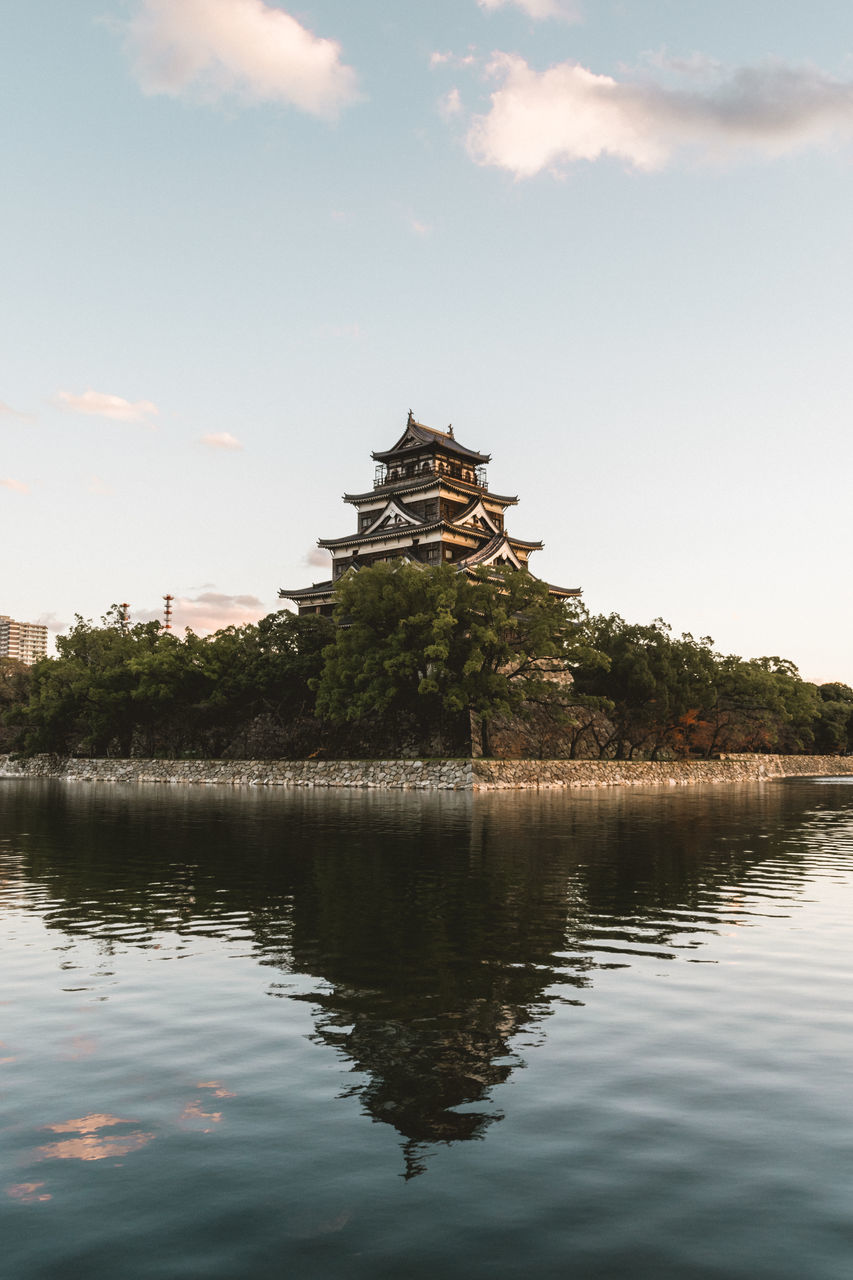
594,1035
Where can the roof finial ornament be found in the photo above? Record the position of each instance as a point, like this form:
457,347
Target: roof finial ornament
450,429
411,419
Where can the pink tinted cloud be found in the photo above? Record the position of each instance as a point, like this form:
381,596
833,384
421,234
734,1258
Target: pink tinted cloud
103,405
567,10
221,440
207,612
17,486
6,411
450,59
450,105
51,621
546,120
243,47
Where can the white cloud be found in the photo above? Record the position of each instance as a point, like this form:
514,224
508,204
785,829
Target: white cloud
420,228
317,558
6,411
17,486
209,611
99,487
238,46
106,406
221,440
450,105
568,10
544,120
51,621
452,59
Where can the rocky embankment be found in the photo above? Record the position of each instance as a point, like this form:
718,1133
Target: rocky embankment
437,775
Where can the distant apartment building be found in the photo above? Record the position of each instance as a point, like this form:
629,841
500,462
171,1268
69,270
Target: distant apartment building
26,641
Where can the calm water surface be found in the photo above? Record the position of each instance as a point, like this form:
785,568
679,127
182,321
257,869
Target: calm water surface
251,1034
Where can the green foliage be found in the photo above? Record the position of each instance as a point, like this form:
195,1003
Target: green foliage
14,691
675,695
761,705
84,697
836,693
513,626
650,684
834,725
113,690
397,633
425,642
413,650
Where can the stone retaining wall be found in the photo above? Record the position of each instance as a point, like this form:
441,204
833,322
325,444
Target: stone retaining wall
517,774
441,775
435,775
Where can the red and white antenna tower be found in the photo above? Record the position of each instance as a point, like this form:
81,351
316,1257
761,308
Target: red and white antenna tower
124,616
167,613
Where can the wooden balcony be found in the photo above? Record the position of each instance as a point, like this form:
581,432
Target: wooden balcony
420,470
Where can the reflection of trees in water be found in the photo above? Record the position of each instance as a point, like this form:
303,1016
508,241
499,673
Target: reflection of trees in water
441,927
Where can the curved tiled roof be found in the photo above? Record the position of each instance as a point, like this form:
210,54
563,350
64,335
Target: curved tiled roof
302,593
424,435
416,484
353,539
427,526
486,550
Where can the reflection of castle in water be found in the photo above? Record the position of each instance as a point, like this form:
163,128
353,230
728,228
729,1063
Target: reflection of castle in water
420,1068
435,961
439,928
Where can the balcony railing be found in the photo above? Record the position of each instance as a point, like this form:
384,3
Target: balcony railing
415,470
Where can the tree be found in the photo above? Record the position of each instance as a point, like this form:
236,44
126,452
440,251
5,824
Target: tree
83,698
391,652
14,691
653,684
759,705
115,690
421,643
834,725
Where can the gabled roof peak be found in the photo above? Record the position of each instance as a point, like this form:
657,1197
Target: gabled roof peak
448,431
418,434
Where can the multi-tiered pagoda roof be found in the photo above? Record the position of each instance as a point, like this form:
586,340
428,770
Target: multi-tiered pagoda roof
430,504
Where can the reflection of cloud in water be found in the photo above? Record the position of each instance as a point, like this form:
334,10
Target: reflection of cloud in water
28,1192
90,1143
216,1086
194,1111
334,1224
80,1047
88,1124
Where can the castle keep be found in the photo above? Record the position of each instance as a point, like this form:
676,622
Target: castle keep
431,504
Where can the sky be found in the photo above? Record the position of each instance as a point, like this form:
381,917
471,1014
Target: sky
609,241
